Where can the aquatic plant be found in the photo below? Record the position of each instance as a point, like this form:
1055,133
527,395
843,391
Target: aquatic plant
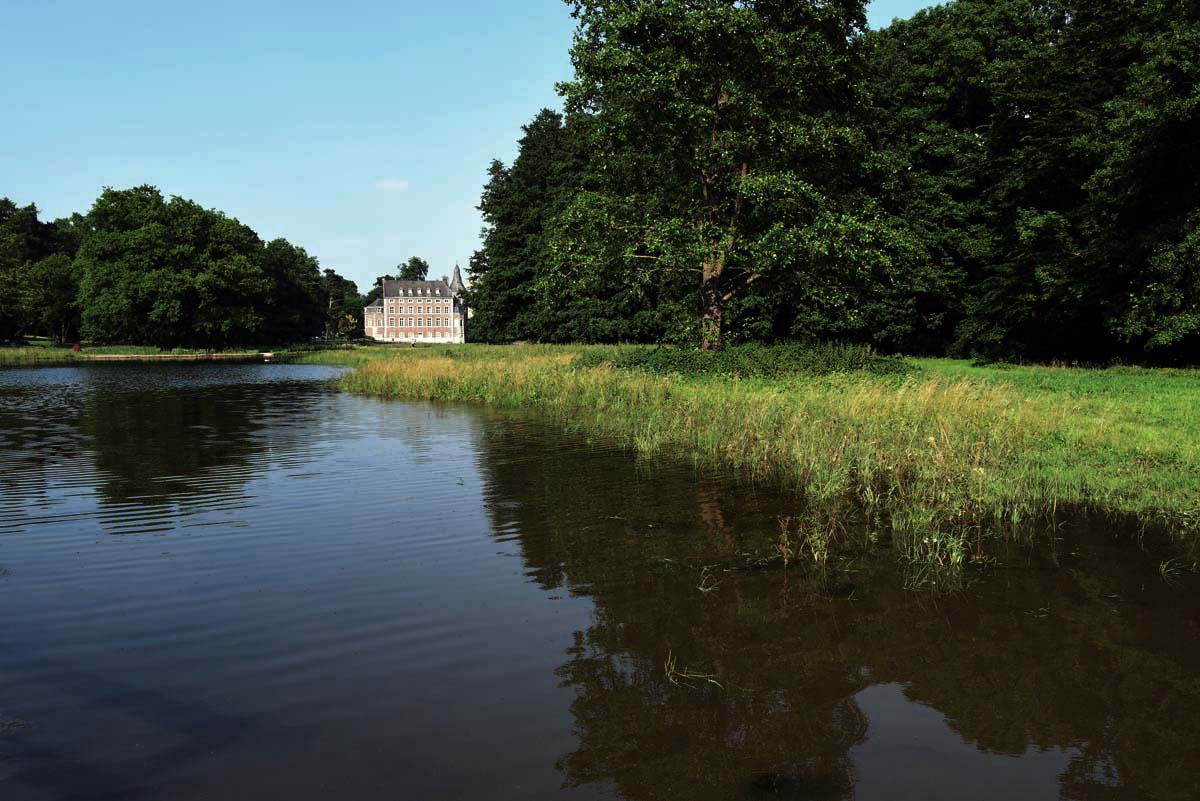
686,677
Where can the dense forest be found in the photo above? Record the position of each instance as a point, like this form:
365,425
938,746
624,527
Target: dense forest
139,268
1012,179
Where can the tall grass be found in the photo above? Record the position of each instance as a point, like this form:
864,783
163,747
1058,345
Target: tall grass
45,355
32,356
938,459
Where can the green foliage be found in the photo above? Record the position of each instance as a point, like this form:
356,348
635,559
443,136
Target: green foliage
1011,179
49,293
1045,154
415,269
295,305
140,269
1145,193
169,273
733,154
518,204
343,314
752,361
36,279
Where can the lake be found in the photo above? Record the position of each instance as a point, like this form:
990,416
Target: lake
236,582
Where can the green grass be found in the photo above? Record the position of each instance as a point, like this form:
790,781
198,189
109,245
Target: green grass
939,458
41,352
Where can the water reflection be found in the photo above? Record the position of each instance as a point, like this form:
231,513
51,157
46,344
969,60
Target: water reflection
407,600
318,601
1066,672
154,445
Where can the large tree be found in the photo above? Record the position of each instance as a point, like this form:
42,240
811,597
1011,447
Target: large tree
296,309
517,204
343,305
741,117
172,273
36,278
169,273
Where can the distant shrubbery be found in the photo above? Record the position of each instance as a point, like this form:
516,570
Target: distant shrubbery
753,361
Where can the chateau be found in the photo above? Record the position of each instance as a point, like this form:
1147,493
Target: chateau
419,311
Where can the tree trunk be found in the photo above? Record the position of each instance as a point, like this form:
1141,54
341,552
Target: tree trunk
711,301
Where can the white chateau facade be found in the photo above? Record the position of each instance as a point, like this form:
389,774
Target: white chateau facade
419,311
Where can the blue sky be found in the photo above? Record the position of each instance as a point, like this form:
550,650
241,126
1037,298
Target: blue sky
358,130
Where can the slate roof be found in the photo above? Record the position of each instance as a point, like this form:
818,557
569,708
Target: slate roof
396,289
456,283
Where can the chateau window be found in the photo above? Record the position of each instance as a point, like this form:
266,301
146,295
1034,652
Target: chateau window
391,321
410,325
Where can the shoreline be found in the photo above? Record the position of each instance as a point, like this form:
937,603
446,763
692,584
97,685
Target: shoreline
939,462
44,357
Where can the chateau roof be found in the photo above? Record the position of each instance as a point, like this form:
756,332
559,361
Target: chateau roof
396,289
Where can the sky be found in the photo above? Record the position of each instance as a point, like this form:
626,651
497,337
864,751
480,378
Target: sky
361,131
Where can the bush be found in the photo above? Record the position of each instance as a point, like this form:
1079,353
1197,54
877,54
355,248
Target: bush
752,361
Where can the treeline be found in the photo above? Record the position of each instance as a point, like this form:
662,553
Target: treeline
141,269
1014,179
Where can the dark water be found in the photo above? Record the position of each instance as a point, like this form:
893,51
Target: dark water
235,583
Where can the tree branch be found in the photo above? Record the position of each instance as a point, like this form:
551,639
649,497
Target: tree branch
748,281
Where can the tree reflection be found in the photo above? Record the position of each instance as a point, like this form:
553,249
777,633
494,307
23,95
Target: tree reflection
1080,650
152,443
150,447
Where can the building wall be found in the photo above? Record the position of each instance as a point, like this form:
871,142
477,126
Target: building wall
416,319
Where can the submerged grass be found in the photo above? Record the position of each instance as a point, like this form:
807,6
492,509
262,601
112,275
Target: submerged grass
939,458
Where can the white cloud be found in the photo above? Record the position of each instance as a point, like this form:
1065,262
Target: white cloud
392,184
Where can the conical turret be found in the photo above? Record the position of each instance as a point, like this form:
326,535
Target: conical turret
456,283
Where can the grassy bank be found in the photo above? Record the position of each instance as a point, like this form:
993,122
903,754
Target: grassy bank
938,457
41,354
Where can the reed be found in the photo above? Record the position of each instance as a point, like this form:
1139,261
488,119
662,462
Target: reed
939,459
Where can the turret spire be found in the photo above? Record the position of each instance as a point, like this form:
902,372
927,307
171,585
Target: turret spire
456,283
